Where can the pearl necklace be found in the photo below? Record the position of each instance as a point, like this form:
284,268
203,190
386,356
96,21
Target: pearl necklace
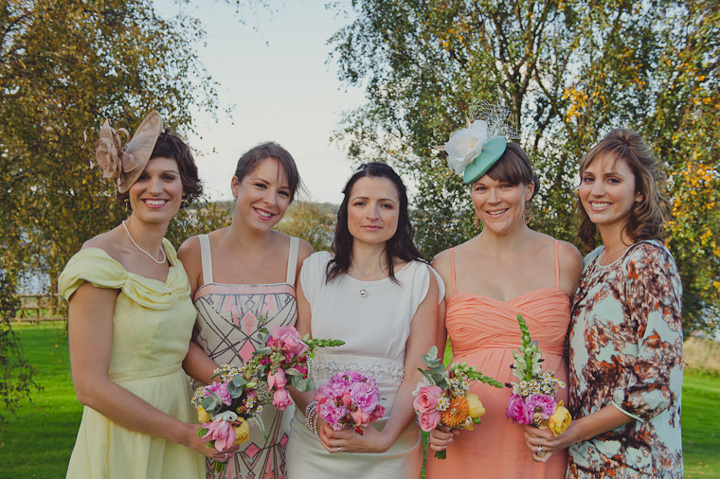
364,289
162,250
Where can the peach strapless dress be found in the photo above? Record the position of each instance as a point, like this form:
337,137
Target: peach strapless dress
483,332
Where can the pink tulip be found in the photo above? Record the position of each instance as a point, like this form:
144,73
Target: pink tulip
282,399
221,432
277,380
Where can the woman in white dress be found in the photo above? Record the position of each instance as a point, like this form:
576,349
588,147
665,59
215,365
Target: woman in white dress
379,296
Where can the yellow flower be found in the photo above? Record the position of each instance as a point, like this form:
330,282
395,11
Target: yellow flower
242,432
203,416
560,420
476,407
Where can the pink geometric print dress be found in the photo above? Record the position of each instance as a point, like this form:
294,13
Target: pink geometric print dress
229,318
483,332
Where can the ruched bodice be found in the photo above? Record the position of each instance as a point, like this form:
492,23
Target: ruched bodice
546,312
484,332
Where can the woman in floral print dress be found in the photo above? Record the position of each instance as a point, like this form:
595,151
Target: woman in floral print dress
626,327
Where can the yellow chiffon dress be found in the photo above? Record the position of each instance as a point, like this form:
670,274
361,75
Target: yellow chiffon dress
152,325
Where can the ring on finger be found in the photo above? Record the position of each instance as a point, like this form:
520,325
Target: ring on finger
540,451
339,449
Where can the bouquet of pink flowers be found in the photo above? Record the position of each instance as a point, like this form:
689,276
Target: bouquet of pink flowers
443,398
283,361
225,409
349,398
533,398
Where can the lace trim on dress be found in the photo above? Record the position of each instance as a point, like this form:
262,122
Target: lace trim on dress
325,368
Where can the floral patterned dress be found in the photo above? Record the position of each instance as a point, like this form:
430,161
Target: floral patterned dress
626,350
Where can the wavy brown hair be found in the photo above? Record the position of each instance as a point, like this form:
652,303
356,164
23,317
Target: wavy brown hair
170,145
647,218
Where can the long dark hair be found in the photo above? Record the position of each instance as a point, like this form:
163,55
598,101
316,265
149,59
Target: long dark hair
647,218
399,246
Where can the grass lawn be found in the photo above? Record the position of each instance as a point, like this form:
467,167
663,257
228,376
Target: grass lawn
37,440
701,425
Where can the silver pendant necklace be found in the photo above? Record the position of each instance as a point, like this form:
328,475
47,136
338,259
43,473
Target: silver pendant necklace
162,250
364,289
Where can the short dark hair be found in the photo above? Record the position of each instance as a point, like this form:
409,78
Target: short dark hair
399,246
253,157
170,145
647,218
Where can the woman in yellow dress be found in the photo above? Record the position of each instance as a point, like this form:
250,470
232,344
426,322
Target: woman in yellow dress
130,319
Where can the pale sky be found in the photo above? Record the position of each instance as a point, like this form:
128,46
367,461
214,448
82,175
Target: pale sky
273,69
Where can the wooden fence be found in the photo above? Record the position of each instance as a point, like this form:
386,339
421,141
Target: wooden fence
37,307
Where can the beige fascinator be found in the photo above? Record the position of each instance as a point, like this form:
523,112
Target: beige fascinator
126,163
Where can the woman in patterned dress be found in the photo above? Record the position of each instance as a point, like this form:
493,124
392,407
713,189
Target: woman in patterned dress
243,279
626,327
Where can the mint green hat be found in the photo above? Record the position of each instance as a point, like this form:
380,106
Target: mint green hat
490,154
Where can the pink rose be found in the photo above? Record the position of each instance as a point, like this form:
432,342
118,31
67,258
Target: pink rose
360,418
277,380
346,399
282,399
427,398
221,432
429,420
378,413
517,411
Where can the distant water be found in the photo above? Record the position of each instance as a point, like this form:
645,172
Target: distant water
34,283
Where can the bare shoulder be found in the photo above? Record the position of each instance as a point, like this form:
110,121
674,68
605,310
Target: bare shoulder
189,249
107,241
304,250
441,262
570,256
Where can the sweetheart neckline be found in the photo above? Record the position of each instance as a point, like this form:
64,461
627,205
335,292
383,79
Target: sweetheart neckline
513,300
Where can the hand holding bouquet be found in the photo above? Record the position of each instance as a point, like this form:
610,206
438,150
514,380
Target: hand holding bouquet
283,361
533,398
443,398
225,409
349,398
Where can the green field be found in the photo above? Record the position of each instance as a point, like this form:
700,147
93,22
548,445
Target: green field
37,440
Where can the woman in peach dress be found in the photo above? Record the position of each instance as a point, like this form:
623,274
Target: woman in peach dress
506,270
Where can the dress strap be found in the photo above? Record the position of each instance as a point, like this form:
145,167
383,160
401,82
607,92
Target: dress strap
292,261
452,269
557,265
206,259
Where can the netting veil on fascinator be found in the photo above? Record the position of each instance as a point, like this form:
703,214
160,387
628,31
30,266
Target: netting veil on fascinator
126,163
473,150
